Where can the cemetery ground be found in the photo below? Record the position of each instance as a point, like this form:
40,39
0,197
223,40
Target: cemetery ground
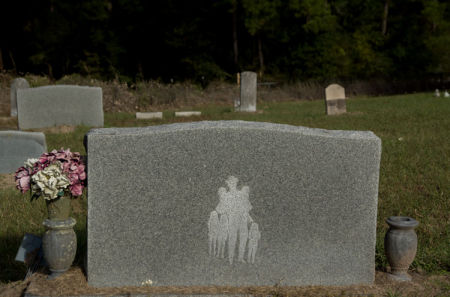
414,181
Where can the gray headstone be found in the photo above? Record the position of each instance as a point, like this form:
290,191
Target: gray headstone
60,105
231,203
335,99
248,92
187,113
149,115
17,146
18,83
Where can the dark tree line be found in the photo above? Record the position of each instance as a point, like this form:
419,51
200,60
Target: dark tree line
291,39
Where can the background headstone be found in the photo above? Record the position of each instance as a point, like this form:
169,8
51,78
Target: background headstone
335,99
231,203
17,83
248,92
187,113
59,105
149,115
18,146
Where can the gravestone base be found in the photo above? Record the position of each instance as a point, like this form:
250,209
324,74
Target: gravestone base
73,283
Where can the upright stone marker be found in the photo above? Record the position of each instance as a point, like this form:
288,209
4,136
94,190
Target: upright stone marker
17,146
231,203
248,92
60,105
335,99
17,83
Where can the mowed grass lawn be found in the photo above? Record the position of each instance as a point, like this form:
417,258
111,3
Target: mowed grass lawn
414,173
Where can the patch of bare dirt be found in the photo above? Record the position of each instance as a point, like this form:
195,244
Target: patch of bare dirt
73,283
14,289
8,123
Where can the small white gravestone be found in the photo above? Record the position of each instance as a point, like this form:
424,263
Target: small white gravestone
436,93
446,94
187,113
335,99
149,115
18,83
247,100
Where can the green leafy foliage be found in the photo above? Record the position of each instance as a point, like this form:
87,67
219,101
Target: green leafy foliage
295,39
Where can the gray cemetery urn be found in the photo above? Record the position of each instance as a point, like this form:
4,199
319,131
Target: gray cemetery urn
17,83
247,100
60,105
18,146
231,203
335,99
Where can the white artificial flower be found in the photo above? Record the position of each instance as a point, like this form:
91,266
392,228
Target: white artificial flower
50,181
30,162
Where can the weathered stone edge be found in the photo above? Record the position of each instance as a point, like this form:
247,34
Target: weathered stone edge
242,125
39,137
56,86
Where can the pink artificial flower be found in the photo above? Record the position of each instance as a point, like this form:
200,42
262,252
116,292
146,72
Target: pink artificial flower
23,179
71,164
76,189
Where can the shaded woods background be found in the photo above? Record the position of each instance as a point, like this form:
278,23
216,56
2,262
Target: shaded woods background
205,40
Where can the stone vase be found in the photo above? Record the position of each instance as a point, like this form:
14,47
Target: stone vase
400,245
59,242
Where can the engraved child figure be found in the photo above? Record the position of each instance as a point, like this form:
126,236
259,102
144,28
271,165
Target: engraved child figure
213,228
254,237
236,205
223,235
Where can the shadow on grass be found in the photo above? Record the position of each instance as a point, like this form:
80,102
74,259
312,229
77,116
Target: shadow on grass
12,270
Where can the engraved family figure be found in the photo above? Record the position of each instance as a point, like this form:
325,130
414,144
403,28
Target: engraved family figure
231,221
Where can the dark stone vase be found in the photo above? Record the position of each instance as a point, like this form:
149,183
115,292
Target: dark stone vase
59,244
400,245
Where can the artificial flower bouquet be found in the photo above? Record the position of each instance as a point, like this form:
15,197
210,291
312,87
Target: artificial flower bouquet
53,175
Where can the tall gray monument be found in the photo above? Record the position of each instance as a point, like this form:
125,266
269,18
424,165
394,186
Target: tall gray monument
17,146
231,203
60,105
335,99
17,83
247,101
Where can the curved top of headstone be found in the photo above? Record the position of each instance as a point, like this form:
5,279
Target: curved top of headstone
236,125
19,82
38,137
334,91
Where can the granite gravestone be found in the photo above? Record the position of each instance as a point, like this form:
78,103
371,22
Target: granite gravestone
187,113
247,101
335,99
17,146
231,203
18,83
149,115
60,105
